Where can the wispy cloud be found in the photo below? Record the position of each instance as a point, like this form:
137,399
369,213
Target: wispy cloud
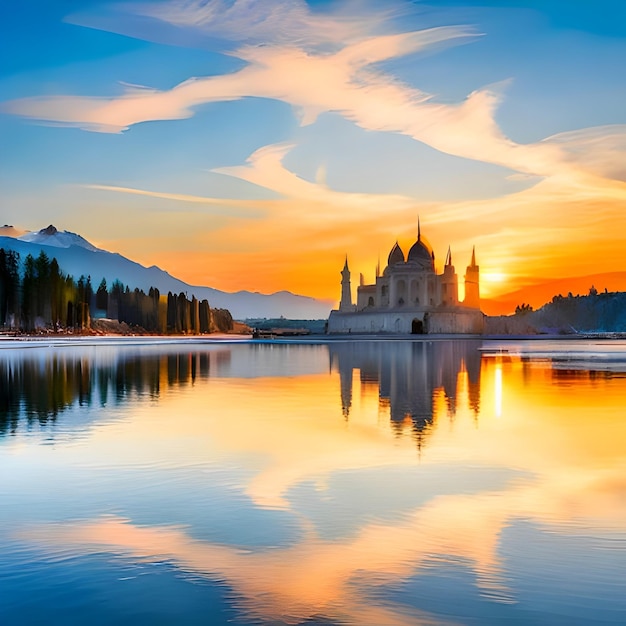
294,65
219,206
312,83
287,67
283,22
266,168
600,150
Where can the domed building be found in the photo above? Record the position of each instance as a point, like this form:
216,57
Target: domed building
410,297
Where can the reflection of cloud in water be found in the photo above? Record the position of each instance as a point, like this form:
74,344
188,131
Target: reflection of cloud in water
319,576
312,578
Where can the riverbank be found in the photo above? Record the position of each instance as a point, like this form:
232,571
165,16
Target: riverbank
112,328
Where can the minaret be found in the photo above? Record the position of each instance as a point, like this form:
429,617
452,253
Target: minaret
346,290
449,283
472,289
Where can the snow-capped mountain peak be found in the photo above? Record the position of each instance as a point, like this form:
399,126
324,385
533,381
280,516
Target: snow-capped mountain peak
50,236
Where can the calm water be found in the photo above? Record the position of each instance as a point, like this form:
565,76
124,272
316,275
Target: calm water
376,483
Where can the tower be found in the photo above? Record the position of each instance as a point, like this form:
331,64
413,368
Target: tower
449,283
346,289
472,289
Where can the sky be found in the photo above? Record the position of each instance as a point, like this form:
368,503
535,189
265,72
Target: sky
253,144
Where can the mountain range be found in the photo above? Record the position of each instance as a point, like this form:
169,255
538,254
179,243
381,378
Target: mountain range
77,256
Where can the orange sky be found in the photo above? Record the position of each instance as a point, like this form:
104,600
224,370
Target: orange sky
579,234
241,151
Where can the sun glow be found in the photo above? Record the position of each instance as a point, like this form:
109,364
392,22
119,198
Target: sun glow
494,277
493,282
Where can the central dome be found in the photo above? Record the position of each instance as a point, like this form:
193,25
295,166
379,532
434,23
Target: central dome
420,251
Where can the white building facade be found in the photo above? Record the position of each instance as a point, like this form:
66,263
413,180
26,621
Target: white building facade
410,297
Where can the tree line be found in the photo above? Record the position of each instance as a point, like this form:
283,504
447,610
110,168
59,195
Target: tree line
42,296
596,311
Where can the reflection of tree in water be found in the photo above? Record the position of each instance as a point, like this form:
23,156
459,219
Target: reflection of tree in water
409,376
35,388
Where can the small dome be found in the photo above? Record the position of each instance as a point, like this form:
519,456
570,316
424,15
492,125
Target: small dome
396,255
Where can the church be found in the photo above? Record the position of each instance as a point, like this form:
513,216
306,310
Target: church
410,297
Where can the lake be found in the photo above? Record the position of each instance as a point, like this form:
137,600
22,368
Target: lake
383,482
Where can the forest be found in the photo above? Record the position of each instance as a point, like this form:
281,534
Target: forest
37,296
596,312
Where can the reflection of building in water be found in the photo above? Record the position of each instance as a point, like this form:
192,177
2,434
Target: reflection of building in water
410,297
409,375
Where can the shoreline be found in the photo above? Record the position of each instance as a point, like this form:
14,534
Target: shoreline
53,340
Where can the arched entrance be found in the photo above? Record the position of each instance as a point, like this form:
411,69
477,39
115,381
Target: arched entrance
417,327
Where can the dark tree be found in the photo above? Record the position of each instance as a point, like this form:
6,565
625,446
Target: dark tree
29,296
9,286
43,288
523,309
57,284
205,317
102,296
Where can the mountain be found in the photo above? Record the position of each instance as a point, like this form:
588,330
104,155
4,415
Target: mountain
52,237
539,294
76,256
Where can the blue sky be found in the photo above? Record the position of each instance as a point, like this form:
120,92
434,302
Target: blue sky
247,144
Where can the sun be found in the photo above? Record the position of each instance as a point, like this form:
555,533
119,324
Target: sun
492,282
493,277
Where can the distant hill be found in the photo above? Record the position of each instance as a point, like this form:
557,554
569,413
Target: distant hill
76,256
601,312
539,294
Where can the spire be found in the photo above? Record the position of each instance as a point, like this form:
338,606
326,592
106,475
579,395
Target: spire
346,292
378,266
472,286
419,230
449,257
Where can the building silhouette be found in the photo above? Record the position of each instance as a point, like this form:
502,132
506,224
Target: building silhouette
410,297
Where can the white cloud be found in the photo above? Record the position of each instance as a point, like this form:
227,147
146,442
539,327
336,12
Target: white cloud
265,168
219,206
600,150
294,65
281,22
